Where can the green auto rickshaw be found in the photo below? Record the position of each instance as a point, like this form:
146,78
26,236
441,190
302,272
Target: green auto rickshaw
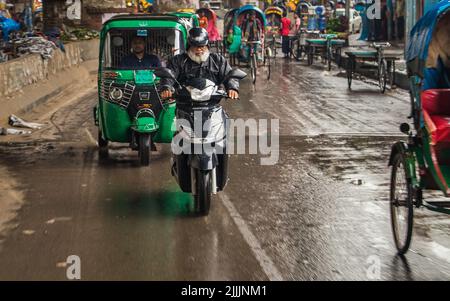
130,109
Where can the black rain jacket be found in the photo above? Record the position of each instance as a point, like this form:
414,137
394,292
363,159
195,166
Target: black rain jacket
214,69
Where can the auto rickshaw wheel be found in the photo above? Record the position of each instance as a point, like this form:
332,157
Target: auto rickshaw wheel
202,198
401,204
102,145
144,149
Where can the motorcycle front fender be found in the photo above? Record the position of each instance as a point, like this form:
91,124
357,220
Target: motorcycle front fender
145,125
204,161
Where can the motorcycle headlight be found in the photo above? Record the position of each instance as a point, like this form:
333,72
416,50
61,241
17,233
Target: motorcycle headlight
116,94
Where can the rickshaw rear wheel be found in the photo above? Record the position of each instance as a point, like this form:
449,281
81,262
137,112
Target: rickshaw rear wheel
144,149
382,76
310,58
350,73
401,197
253,66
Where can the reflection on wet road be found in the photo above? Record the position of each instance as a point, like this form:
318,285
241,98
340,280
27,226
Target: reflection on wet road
321,213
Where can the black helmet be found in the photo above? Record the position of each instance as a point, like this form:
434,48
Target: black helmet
198,37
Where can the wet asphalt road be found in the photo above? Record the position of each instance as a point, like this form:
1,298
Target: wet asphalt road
321,213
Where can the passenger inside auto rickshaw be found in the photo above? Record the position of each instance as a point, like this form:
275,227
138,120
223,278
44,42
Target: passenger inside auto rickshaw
435,95
158,46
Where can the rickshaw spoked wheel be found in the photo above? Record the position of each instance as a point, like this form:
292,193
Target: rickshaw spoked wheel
401,204
297,51
382,76
350,73
253,66
144,149
267,61
310,56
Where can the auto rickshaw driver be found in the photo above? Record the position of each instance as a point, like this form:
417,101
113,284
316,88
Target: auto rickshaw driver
138,59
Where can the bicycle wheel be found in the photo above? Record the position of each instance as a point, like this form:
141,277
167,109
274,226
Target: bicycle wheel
350,73
382,76
310,56
296,50
253,67
401,205
267,65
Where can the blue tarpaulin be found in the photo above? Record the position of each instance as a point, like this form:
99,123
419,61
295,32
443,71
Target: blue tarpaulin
8,25
420,37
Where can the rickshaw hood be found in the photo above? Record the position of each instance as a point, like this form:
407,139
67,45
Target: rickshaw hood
416,52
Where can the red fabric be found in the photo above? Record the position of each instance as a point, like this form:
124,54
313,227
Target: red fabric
436,101
285,26
436,113
441,131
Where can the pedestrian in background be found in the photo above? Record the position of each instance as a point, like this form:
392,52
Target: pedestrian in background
400,18
285,29
297,23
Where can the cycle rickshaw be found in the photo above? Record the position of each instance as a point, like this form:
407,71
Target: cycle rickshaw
383,64
253,52
298,41
274,14
231,35
213,33
129,108
422,162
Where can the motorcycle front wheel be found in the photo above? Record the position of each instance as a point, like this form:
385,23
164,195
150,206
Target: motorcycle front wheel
202,197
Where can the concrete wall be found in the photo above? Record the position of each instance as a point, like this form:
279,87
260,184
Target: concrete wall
32,69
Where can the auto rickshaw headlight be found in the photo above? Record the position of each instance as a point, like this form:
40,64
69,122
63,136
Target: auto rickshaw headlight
116,94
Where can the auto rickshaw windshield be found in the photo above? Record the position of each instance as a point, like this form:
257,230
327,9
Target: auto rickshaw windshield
161,42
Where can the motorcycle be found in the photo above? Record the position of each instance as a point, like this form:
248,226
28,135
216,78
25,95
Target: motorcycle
199,147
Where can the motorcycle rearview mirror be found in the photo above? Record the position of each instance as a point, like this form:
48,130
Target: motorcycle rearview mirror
163,72
235,73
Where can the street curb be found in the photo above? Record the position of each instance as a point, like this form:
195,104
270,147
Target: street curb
52,87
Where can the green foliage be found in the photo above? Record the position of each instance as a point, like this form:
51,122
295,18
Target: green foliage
335,25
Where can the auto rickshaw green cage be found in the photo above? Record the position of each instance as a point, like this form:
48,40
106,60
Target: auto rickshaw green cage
129,108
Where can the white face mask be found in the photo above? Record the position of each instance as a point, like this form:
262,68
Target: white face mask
198,58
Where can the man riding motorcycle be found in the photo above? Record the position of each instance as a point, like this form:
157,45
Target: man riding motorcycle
198,62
